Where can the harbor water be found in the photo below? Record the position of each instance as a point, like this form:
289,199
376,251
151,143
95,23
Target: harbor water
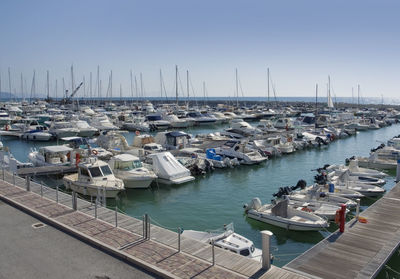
217,198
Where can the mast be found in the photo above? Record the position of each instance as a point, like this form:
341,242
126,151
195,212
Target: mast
56,88
176,84
137,92
187,87
90,87
161,84
64,94
72,79
352,95
9,81
22,87
237,89
316,105
48,86
130,74
204,92
141,85
111,87
120,92
358,98
268,82
98,81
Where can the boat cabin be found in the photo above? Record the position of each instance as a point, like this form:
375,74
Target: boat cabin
94,170
56,155
125,162
172,140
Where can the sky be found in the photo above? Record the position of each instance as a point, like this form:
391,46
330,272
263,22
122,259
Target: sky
300,41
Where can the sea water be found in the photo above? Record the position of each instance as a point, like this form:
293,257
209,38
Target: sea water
217,198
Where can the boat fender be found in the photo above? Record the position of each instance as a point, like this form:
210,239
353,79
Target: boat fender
322,194
306,209
337,216
362,220
137,133
95,152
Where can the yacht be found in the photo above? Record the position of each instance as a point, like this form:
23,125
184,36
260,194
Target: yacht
176,122
136,124
156,122
228,240
85,130
94,177
200,119
130,169
40,133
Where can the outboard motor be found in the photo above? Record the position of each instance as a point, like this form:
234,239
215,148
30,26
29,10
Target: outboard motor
300,184
254,204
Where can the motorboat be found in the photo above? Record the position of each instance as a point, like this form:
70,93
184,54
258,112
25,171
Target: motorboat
56,155
241,127
156,122
130,169
85,130
168,169
172,140
102,123
136,124
283,215
284,123
227,239
94,178
200,119
176,122
40,133
235,149
354,170
63,129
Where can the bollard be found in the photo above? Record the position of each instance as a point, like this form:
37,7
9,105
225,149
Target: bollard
213,252
397,171
95,208
28,183
14,178
41,189
91,200
179,239
342,217
104,197
266,244
358,209
3,173
57,193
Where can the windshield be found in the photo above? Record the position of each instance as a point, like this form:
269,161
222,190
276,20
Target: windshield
106,170
137,164
95,172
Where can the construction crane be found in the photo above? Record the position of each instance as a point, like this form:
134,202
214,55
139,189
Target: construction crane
67,98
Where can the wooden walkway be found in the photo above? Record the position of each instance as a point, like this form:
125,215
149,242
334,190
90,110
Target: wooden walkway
362,250
158,254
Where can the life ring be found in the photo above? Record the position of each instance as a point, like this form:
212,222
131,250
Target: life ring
306,209
137,133
95,152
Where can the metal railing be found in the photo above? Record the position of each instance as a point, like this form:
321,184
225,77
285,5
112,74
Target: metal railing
80,203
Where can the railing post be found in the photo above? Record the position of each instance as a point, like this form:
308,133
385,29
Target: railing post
358,209
57,193
28,183
14,178
3,174
95,208
104,197
116,216
179,239
144,227
213,252
41,188
74,203
148,226
266,254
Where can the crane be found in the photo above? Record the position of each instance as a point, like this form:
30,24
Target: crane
68,98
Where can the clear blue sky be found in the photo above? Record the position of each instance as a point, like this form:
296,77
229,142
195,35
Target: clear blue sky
302,42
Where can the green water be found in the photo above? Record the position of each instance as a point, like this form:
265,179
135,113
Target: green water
218,197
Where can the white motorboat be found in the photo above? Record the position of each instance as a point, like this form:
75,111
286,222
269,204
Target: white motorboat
168,169
234,149
242,127
130,169
94,178
85,130
63,129
57,155
41,133
314,194
284,123
136,124
200,119
354,170
228,240
156,122
285,216
102,123
176,122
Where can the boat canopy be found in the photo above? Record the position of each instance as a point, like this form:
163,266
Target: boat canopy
125,158
167,167
176,134
56,149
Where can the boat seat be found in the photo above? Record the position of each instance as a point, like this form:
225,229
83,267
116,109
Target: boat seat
280,209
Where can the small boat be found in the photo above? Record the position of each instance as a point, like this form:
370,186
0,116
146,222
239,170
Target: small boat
234,149
40,133
57,155
168,169
130,169
285,216
228,240
94,177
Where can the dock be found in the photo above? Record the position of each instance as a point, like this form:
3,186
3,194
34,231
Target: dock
362,250
123,236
